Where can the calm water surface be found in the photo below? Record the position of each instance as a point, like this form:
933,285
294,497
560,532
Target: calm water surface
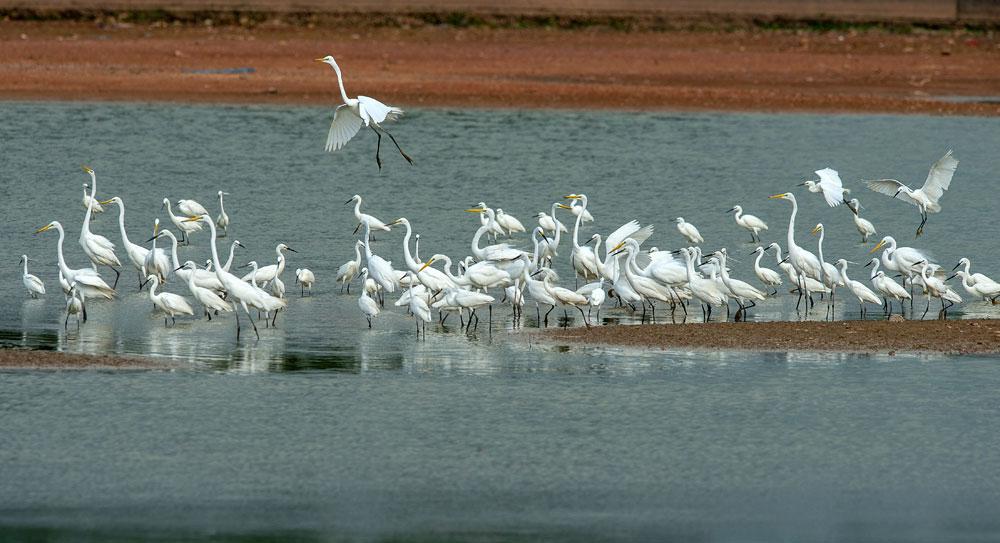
486,436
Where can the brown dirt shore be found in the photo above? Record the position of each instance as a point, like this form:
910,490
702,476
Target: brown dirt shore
951,337
750,69
28,359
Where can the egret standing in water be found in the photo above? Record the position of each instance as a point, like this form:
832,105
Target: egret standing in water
32,283
170,304
926,197
750,222
354,112
689,231
222,221
305,278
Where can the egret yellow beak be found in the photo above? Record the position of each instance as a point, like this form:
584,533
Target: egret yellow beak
87,169
816,229
776,196
561,206
426,264
475,210
43,229
318,59
619,246
192,219
877,246
572,197
106,202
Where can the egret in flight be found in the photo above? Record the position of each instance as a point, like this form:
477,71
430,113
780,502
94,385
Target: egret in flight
829,184
354,112
926,197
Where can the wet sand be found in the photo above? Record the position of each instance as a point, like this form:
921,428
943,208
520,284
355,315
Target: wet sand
946,337
27,359
420,65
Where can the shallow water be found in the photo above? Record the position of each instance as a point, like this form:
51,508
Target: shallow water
484,435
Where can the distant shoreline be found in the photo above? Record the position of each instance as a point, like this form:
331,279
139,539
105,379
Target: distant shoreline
974,336
837,70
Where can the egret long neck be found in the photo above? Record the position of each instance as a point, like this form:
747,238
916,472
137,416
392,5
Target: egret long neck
843,273
173,251
90,206
222,208
357,209
410,262
340,81
281,263
820,250
232,252
357,254
756,263
152,288
121,224
558,235
791,226
576,229
476,250
25,266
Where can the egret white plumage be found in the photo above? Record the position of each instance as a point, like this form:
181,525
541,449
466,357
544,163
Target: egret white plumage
32,283
206,297
355,112
829,275
805,263
509,222
689,231
156,262
706,290
985,283
87,279
349,270
222,221
750,222
767,276
98,248
365,220
169,303
564,296
305,278
183,225
202,278
75,305
828,184
887,287
742,291
192,207
498,252
987,290
379,269
927,197
857,288
419,308
271,271
937,288
89,201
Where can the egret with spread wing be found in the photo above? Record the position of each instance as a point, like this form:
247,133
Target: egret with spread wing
829,184
926,197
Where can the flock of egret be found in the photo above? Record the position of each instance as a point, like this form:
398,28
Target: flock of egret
614,268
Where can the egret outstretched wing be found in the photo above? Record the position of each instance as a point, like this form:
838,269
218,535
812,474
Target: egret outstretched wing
833,187
890,187
373,111
345,126
939,177
630,229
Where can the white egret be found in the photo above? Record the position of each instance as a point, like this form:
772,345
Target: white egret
509,222
564,296
492,226
927,197
937,288
365,220
829,275
272,271
536,289
742,291
887,287
305,278
498,252
829,184
419,308
222,221
98,248
597,297
185,226
192,207
979,289
465,300
63,283
646,287
431,278
860,291
750,222
582,257
805,263
864,226
206,297
550,223
706,290
987,284
277,287
136,253
156,262
550,246
689,231
239,291
89,202
169,303
904,260
379,269
348,118
87,279
31,282
767,276
577,210
349,270
75,305
202,278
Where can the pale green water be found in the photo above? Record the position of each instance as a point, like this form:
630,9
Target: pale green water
487,436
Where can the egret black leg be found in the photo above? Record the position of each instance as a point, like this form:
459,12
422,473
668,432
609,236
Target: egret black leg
406,156
118,274
378,147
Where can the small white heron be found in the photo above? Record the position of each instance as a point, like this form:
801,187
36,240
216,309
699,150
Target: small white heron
927,197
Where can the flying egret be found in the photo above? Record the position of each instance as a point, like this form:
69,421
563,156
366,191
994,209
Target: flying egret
75,305
864,226
829,184
206,297
239,291
222,221
767,276
89,201
32,283
926,197
87,279
305,278
805,263
860,291
348,118
191,208
689,231
184,226
169,303
98,249
349,270
509,222
750,222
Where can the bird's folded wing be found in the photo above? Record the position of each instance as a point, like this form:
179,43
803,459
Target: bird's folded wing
890,187
939,177
833,187
345,126
377,112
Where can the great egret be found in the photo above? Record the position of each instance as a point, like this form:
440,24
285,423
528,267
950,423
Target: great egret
829,184
169,303
550,223
888,287
750,222
75,305
465,300
583,257
767,276
926,198
349,270
364,219
904,260
89,201
509,222
431,278
348,118
222,221
576,209
191,208
380,269
492,226
202,278
87,279
550,246
184,226
646,287
98,249
32,283
305,278
830,276
864,226
706,290
938,289
156,259
272,271
419,308
805,263
498,252
206,297
689,231
241,292
136,253
857,288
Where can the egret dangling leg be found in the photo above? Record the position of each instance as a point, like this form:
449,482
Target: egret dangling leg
378,147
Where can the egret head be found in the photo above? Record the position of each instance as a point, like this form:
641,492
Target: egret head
573,196
592,239
88,169
783,196
962,262
112,200
327,60
221,193
809,184
282,247
427,264
879,245
817,229
479,209
679,220
737,209
47,227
